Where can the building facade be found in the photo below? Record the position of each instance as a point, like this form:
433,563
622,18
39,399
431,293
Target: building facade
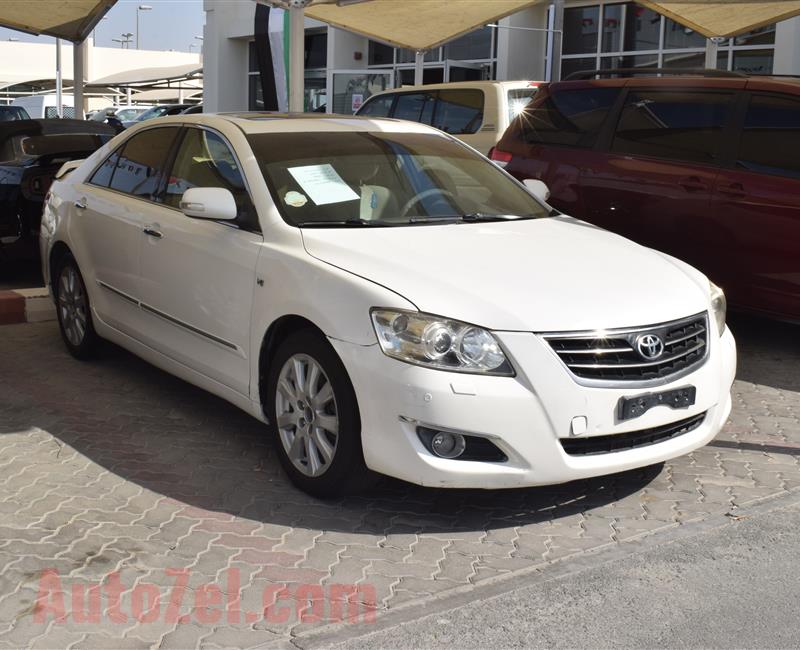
342,69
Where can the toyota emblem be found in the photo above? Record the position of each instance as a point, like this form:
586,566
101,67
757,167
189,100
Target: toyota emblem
650,346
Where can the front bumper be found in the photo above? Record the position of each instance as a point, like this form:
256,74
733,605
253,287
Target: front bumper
524,416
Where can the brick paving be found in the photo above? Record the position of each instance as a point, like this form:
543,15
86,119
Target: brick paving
115,472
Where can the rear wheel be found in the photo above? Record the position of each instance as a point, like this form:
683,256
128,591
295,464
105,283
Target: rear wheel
74,313
313,412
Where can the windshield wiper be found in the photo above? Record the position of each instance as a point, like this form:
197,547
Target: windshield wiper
346,223
471,217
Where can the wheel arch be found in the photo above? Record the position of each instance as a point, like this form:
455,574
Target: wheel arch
57,253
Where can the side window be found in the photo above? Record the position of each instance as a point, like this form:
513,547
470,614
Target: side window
377,107
771,136
680,125
141,162
205,160
459,111
570,117
102,175
417,107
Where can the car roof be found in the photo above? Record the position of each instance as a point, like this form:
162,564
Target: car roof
754,82
483,83
268,122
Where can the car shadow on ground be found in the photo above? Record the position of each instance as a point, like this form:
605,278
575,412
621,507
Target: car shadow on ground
169,437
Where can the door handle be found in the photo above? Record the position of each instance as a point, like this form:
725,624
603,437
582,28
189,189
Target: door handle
81,204
693,184
151,232
734,190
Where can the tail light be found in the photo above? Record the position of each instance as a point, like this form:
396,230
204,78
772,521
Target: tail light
499,157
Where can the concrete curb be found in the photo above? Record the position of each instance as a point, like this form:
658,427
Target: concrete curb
26,306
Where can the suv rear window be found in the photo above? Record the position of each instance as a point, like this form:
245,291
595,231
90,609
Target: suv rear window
569,117
678,125
771,136
459,111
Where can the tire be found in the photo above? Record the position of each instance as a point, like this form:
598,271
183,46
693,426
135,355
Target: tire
326,459
73,310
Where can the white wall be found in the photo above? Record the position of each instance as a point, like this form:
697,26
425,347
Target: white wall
787,47
520,53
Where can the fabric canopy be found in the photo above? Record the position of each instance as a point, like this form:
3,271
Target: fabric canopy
726,18
415,24
149,75
72,20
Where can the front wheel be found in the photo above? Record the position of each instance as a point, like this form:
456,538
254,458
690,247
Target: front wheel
313,412
74,313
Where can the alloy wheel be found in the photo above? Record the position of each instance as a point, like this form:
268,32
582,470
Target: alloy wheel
306,415
72,305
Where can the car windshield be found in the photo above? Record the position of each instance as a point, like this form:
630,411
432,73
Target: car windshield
127,114
12,113
385,179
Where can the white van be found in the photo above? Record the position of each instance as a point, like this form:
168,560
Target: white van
45,106
477,112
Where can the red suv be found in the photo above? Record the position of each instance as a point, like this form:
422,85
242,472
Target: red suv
704,166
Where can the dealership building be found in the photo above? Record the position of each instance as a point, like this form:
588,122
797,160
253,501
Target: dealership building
343,68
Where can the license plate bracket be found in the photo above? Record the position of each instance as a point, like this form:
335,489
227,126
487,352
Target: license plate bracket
677,398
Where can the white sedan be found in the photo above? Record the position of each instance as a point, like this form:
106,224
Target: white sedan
384,298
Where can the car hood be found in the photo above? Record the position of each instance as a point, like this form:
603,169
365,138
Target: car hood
549,274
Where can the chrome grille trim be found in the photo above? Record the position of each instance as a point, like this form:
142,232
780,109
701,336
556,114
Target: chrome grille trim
608,358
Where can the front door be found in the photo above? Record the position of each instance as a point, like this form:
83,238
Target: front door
197,275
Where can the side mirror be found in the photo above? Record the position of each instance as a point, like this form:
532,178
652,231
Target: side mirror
215,203
537,188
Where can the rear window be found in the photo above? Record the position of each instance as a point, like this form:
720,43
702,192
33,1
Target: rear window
377,107
11,113
771,136
416,107
567,117
678,125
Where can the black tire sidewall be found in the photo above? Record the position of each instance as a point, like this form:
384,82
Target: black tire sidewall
88,345
348,468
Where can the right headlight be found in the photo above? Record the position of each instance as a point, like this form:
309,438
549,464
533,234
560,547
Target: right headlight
719,306
440,343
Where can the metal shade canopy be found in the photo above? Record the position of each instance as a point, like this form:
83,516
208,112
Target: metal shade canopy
72,20
727,17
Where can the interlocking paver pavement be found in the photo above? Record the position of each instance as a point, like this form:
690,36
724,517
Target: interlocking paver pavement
113,471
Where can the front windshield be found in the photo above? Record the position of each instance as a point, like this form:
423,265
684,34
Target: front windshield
385,179
127,114
156,111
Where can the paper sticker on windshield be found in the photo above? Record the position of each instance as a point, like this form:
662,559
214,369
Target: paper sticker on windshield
322,184
295,199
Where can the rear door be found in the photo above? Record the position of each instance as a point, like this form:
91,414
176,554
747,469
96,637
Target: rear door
756,208
655,183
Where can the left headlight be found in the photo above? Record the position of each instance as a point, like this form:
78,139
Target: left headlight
440,343
719,306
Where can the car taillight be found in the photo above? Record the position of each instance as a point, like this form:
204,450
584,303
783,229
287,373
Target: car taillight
499,157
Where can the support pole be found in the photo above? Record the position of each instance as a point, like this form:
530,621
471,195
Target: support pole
711,53
419,67
558,40
78,78
297,34
59,109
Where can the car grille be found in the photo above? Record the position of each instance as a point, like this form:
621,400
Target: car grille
614,356
631,440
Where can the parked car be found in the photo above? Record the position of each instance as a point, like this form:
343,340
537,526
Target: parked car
331,277
157,111
477,112
127,113
31,152
13,113
192,110
702,167
46,106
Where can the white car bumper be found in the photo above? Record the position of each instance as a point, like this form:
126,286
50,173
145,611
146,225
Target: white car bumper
524,416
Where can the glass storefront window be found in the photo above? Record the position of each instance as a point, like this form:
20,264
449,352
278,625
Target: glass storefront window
409,56
316,49
475,45
580,30
690,60
380,54
612,28
351,89
405,77
636,61
676,36
753,61
642,28
568,66
761,36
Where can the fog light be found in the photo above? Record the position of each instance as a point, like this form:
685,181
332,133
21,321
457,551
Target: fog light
448,445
